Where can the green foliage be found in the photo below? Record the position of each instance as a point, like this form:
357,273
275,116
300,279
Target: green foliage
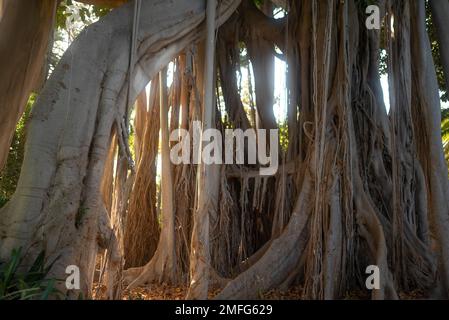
132,141
362,4
99,11
283,136
10,174
62,14
445,132
33,284
3,201
67,9
258,3
445,124
436,54
71,18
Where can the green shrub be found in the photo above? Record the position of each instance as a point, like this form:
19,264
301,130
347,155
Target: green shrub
3,201
33,284
9,175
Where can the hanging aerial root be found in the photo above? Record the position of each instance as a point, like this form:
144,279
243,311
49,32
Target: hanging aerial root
371,229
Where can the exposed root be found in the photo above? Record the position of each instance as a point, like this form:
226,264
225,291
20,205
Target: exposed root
280,258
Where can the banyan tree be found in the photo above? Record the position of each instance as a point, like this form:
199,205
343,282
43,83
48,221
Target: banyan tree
359,183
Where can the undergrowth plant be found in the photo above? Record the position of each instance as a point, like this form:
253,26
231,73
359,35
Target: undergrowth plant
33,284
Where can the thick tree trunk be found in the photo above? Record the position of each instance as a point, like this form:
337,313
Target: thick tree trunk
207,196
261,54
25,30
167,210
431,149
162,266
140,122
142,226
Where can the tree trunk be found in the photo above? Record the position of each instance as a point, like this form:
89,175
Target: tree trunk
431,149
207,199
25,30
142,227
162,266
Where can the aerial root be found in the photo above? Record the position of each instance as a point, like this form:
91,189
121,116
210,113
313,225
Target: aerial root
130,275
279,259
372,231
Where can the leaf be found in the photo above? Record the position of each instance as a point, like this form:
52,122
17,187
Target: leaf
12,266
38,264
48,290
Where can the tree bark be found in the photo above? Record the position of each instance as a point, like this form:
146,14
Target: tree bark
25,30
206,199
432,156
142,227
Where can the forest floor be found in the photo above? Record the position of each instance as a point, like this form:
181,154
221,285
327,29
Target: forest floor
179,292
167,292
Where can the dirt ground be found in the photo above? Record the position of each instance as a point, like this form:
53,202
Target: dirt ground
167,292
